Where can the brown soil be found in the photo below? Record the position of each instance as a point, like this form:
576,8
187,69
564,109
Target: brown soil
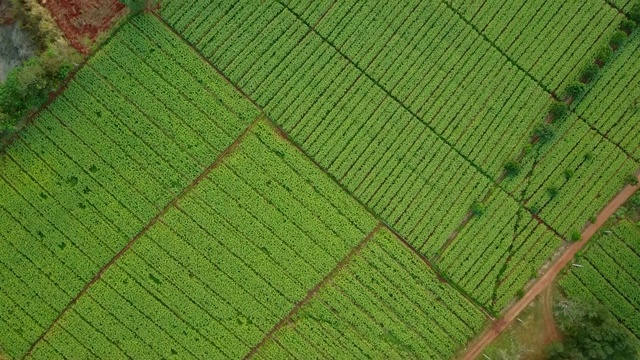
539,286
82,21
551,333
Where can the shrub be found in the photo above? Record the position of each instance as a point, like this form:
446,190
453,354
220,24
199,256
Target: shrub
575,89
575,236
559,110
604,54
553,191
634,13
589,72
632,179
568,174
477,208
535,209
544,132
627,26
618,39
512,168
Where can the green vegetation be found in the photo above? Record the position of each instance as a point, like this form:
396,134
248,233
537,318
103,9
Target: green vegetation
29,85
609,272
298,179
589,332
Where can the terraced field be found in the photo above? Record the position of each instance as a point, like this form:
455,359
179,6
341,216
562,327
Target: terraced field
293,179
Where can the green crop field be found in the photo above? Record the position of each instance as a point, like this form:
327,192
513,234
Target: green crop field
319,179
609,273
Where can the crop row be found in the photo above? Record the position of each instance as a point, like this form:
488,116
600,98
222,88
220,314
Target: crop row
616,95
548,40
385,293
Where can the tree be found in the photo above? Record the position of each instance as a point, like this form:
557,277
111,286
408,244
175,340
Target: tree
512,168
634,13
589,332
544,133
604,54
589,72
477,208
559,110
617,39
627,26
575,89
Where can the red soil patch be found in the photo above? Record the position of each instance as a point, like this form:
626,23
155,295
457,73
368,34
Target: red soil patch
83,20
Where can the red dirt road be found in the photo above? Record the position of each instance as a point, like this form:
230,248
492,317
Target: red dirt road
551,332
476,348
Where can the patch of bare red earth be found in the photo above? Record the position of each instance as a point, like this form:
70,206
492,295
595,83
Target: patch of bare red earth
476,348
82,21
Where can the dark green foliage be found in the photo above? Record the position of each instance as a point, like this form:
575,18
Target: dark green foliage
553,191
634,13
590,72
477,208
544,133
589,332
559,110
627,26
512,168
618,39
632,179
604,55
534,209
575,236
575,89
568,174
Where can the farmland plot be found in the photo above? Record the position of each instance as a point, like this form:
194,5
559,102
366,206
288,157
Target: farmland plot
97,166
552,41
612,104
223,265
610,274
384,303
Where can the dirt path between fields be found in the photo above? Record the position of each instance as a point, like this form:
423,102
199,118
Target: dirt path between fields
476,348
551,333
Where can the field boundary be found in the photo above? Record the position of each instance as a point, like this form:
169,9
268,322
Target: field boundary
545,280
313,291
396,234
144,230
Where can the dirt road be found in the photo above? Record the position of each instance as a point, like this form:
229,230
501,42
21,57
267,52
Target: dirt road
476,348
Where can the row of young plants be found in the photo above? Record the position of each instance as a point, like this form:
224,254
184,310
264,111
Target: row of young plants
380,295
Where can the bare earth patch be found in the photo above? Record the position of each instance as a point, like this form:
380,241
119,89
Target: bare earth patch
82,21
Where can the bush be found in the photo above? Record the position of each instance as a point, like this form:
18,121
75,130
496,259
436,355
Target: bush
590,72
634,13
512,168
544,133
575,89
568,174
535,209
553,191
618,39
632,179
604,54
477,208
559,110
575,236
627,26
